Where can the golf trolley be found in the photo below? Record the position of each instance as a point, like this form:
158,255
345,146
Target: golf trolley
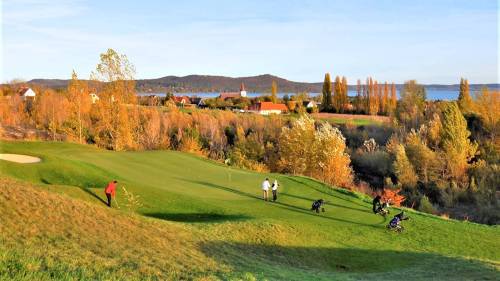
398,228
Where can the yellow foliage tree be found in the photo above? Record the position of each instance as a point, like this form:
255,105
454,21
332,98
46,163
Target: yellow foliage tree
487,106
79,107
455,142
317,153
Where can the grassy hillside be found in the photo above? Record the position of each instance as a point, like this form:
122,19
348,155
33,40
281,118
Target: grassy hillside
202,220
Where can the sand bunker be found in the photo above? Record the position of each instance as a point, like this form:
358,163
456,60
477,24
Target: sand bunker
18,158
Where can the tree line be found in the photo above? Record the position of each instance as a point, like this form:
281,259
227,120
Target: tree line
371,98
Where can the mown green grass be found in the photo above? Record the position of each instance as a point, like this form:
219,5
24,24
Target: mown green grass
282,240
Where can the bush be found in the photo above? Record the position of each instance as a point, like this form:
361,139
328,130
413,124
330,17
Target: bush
372,166
426,206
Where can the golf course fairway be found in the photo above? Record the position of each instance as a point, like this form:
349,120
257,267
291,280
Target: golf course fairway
200,220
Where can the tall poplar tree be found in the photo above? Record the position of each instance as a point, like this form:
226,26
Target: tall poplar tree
464,98
337,94
385,99
274,92
345,99
326,103
394,99
358,101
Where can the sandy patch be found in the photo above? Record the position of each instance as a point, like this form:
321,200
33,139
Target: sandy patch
19,158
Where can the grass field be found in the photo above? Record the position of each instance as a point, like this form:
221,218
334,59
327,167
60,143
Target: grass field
202,220
356,119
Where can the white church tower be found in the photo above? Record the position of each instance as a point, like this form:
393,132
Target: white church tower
243,93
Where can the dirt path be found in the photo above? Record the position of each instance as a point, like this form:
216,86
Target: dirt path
19,158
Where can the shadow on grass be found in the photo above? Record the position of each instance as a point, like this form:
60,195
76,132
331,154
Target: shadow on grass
331,192
329,203
91,193
197,217
387,264
305,211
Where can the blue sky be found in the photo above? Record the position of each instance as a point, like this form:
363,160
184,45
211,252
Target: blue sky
431,41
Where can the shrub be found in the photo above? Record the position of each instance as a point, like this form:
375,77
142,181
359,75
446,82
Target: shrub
426,206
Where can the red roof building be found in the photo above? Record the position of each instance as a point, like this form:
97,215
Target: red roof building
182,100
266,108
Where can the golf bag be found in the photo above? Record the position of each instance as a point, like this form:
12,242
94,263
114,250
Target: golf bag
395,223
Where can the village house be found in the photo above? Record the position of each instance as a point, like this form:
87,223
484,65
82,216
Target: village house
182,101
231,95
27,94
310,104
199,102
266,108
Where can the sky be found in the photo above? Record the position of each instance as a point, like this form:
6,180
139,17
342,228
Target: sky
431,41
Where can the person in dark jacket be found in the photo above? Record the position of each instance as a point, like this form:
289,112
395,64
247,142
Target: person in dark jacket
376,203
316,206
274,189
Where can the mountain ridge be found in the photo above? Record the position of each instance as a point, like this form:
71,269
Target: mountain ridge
219,83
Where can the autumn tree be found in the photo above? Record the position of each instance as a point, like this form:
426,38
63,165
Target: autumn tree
344,102
327,93
384,103
50,111
410,109
487,106
359,97
394,99
79,107
332,160
117,73
274,92
337,95
366,97
373,97
424,160
317,153
455,142
116,76
464,98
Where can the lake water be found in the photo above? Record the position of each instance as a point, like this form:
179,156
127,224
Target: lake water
431,94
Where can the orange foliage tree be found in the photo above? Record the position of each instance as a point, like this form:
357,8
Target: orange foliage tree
393,197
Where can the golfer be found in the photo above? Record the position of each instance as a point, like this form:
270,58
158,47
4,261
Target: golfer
265,188
274,188
110,191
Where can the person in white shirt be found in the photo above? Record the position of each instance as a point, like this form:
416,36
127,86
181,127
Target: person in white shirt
275,190
265,188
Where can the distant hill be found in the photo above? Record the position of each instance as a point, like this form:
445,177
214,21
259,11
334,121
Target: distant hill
260,83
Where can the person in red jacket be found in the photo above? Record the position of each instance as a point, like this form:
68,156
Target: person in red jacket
110,191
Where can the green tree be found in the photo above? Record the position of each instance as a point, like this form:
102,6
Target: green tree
464,98
403,168
455,141
326,102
